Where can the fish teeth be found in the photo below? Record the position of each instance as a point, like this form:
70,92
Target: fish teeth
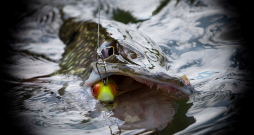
148,83
165,87
158,86
151,86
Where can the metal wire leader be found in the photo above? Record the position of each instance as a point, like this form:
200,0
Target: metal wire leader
102,63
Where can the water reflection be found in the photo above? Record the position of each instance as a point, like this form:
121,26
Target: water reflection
31,57
213,108
200,38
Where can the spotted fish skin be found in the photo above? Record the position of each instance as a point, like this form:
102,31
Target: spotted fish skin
81,45
138,67
136,55
81,39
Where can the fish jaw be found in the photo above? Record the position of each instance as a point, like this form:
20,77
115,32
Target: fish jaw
178,87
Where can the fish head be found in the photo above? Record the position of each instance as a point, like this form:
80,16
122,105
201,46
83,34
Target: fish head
133,61
128,72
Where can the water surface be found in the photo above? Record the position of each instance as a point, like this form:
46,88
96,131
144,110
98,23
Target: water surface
201,39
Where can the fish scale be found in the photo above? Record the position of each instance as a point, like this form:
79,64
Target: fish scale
81,51
145,64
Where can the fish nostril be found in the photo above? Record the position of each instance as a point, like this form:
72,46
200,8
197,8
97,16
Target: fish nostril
132,54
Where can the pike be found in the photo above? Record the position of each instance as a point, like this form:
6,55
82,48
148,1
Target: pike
124,69
133,60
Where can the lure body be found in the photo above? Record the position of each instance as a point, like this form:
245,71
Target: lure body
106,92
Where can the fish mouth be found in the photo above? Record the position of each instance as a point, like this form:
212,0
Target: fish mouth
131,77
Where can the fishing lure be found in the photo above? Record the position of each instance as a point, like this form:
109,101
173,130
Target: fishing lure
104,90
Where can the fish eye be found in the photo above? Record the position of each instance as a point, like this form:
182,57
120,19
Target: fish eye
109,49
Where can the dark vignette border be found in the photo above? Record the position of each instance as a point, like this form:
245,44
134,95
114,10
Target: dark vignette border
9,17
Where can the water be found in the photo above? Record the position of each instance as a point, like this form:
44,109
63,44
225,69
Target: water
201,39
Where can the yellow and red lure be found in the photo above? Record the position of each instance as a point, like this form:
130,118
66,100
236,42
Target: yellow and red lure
106,92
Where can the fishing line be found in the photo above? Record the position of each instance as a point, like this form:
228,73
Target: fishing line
102,63
98,42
